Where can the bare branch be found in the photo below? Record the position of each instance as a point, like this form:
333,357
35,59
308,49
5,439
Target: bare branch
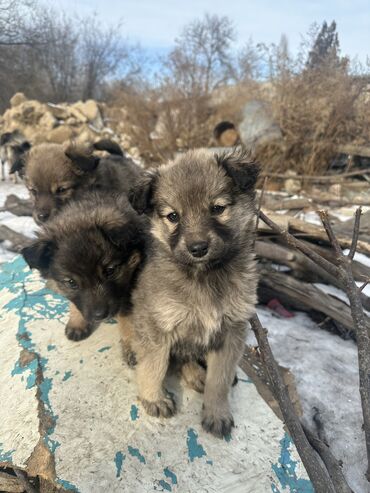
319,477
356,232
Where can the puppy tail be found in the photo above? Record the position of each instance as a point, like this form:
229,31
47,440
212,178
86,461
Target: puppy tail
109,146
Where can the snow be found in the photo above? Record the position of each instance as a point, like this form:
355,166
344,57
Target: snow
23,225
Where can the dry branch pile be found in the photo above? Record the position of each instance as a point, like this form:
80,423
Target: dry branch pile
322,256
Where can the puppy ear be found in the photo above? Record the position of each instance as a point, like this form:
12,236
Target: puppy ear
5,138
39,254
18,165
127,236
82,159
240,166
141,195
20,162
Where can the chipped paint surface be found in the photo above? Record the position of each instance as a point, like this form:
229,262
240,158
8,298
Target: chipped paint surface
99,435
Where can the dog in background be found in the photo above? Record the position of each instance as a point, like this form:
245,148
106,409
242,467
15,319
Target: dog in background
197,289
55,174
92,252
12,147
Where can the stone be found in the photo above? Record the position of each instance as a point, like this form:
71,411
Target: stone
17,99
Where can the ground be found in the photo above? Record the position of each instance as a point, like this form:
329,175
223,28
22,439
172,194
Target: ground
324,365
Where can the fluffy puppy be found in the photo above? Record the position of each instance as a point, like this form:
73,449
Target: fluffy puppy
197,289
92,251
55,174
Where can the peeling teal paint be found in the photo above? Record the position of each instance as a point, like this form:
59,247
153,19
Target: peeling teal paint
134,452
171,475
30,306
51,347
245,380
210,462
285,471
165,485
195,450
105,348
134,412
5,456
118,459
67,485
67,375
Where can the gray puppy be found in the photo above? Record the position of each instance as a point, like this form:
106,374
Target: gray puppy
198,286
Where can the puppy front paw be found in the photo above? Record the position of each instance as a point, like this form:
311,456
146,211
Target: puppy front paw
194,376
165,407
220,425
77,333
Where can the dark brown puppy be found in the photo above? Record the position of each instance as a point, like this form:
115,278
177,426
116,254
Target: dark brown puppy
92,251
55,174
197,288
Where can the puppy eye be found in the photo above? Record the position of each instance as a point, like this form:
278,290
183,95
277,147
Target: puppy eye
218,209
61,189
70,283
173,217
33,191
110,270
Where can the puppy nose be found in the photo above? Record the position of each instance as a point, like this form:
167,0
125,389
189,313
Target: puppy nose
43,216
198,249
100,313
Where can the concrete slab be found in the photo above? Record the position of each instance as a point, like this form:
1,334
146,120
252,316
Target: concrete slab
69,413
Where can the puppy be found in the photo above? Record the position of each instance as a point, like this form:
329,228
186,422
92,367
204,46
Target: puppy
55,175
92,251
12,146
197,290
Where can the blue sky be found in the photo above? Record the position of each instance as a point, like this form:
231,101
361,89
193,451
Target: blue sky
155,23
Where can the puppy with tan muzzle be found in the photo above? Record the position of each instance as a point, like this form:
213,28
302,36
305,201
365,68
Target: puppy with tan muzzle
197,289
92,252
13,145
56,174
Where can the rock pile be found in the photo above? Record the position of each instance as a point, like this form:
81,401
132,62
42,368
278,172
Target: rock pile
84,122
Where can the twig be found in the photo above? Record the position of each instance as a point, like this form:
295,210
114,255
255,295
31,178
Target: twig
318,475
331,463
363,286
319,178
302,247
356,232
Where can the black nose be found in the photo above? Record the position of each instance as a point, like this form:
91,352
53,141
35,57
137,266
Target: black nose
100,313
43,216
198,249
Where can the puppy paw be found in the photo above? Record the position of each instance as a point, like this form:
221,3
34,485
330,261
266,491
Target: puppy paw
194,376
164,408
220,425
74,333
129,357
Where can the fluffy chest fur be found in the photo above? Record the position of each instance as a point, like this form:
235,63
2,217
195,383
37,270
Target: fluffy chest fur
196,309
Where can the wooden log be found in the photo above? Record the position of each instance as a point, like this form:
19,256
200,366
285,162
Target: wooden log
306,296
17,240
303,268
17,206
10,484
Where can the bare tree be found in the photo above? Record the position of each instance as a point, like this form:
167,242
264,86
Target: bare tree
56,55
102,54
202,58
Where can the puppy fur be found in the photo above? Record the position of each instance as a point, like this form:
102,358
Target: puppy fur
55,174
92,252
12,147
198,286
